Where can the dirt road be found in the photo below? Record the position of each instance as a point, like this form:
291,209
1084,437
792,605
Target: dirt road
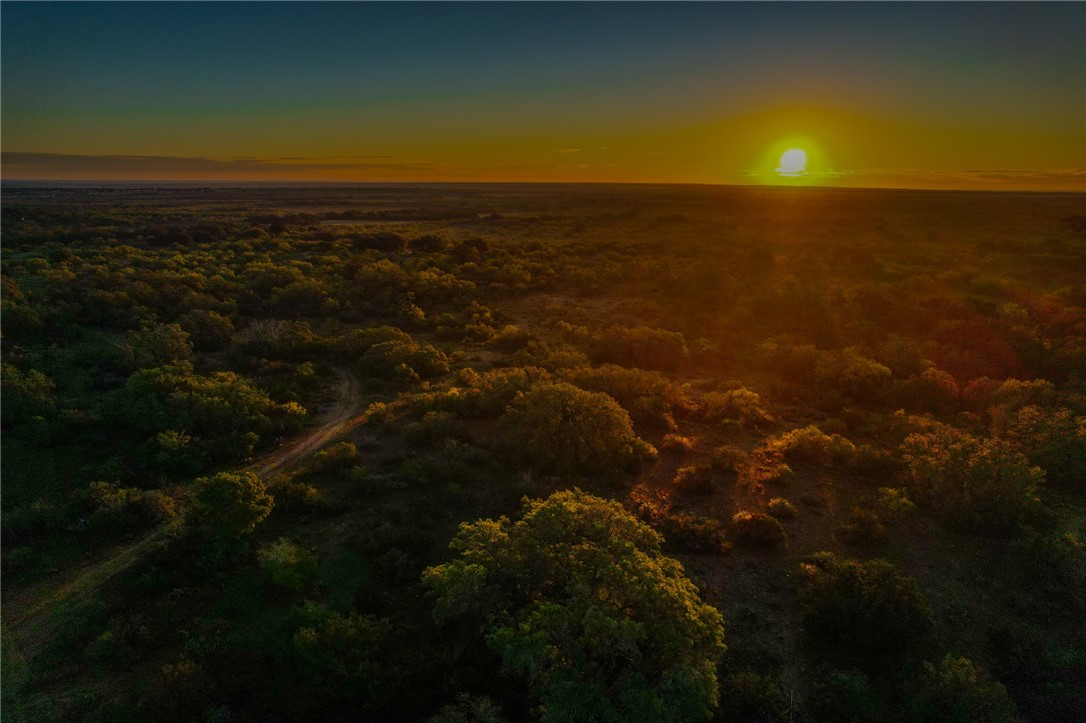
28,620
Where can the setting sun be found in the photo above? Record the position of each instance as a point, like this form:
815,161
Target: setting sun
793,163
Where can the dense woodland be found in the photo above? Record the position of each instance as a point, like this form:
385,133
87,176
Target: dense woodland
561,453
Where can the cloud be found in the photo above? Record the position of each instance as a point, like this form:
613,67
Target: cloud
569,150
15,165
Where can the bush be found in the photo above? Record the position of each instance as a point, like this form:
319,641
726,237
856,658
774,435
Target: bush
863,611
576,597
292,495
640,346
563,429
677,443
757,529
980,484
955,691
1055,441
335,458
403,361
468,709
692,533
434,427
751,696
781,474
813,446
739,404
127,507
894,504
646,395
288,564
780,507
864,528
846,695
699,479
511,339
230,504
728,458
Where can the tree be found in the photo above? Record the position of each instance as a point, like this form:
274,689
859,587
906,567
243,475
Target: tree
224,414
978,483
231,504
156,344
862,608
954,691
564,429
576,597
1053,440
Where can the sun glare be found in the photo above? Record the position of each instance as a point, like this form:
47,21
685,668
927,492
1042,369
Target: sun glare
793,163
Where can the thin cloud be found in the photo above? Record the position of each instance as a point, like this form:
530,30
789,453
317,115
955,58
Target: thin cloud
55,166
570,150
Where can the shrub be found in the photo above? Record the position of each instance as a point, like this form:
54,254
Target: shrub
780,507
511,338
894,503
740,404
862,610
781,474
355,343
846,695
976,483
563,429
288,564
429,243
757,529
469,709
434,427
813,446
403,361
292,495
751,696
692,533
1055,441
576,597
125,507
646,395
335,458
955,691
699,479
490,393
230,504
640,346
728,458
864,528
677,443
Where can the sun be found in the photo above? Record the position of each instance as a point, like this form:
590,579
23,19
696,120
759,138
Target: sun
793,163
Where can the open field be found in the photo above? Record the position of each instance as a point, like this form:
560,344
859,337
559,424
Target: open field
299,394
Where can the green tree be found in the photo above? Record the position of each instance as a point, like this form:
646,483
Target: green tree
977,483
231,504
156,344
955,691
224,414
1053,440
576,597
864,610
563,429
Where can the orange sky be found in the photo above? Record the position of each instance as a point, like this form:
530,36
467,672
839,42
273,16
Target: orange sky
922,95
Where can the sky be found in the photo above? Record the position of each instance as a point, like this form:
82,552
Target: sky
923,95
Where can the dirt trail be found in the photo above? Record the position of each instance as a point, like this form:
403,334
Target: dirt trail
28,620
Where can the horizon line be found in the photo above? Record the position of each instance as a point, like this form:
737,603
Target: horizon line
251,183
